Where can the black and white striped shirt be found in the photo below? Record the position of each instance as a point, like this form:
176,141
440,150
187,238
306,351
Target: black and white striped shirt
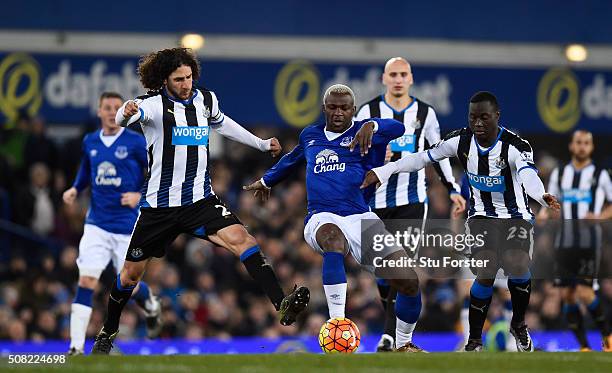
421,130
493,173
177,145
580,191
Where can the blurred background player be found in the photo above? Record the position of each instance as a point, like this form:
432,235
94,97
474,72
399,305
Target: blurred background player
113,163
585,191
501,169
177,195
337,208
404,196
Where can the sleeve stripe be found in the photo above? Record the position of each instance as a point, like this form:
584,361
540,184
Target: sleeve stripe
218,119
429,155
528,166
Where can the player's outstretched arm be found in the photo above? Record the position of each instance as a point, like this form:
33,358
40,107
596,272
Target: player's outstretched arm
408,163
535,189
283,168
234,131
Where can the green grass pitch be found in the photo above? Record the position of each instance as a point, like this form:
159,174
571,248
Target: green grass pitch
289,363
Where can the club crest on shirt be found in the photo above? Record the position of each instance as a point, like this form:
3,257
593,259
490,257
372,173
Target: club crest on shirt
500,163
93,152
416,124
206,112
527,157
121,152
346,141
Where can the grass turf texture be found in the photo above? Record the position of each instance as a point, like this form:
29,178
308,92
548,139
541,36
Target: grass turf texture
389,362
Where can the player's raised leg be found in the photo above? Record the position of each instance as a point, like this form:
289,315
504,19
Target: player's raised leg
120,294
335,247
142,294
236,239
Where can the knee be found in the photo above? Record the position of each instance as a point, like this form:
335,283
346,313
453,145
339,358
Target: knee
331,239
130,274
406,286
88,282
240,240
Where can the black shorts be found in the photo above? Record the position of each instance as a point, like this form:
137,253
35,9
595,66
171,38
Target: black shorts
500,238
575,266
412,211
407,218
157,228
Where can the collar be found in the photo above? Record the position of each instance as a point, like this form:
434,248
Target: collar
331,136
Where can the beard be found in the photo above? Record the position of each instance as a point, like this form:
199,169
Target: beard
175,94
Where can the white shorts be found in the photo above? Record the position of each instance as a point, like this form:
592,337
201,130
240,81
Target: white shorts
351,227
98,247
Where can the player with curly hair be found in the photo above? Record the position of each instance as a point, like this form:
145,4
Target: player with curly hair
177,196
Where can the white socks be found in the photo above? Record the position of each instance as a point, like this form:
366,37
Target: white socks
79,319
336,299
403,333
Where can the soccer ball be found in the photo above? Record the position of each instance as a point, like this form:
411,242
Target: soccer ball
339,335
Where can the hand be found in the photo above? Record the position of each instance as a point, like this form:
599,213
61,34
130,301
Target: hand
260,191
552,201
363,138
131,199
70,195
458,205
370,178
130,109
275,147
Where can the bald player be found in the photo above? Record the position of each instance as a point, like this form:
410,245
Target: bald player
404,196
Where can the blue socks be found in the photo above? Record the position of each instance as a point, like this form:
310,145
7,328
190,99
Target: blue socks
408,308
143,292
83,296
333,268
334,283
